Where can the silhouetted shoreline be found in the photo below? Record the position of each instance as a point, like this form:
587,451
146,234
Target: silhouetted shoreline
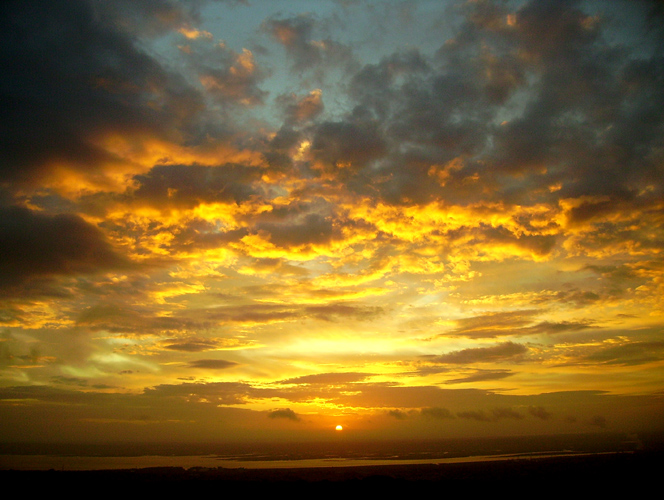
591,473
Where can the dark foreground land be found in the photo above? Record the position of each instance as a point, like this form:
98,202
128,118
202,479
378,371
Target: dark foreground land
626,472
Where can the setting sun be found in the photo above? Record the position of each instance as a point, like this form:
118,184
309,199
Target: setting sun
339,428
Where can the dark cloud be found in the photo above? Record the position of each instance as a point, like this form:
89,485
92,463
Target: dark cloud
578,298
192,345
497,353
598,421
339,312
328,379
186,186
491,325
278,266
36,245
312,229
537,244
490,416
347,145
398,414
539,412
122,319
214,364
192,236
478,415
70,381
253,313
481,376
552,328
99,83
437,413
203,404
387,395
285,413
555,31
630,353
512,323
223,393
501,413
145,18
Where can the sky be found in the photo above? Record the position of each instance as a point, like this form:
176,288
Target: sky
258,220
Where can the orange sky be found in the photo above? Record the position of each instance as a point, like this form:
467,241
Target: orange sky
226,220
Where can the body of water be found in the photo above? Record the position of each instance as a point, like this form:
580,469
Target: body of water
33,456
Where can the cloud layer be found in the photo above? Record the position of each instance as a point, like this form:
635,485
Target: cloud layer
282,219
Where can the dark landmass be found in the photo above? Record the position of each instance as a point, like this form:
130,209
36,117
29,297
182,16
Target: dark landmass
634,472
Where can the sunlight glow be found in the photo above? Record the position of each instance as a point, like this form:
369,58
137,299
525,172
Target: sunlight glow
461,238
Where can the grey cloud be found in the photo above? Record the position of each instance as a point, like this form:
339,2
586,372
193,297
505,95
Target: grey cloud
571,121
233,77
296,34
373,86
582,92
302,109
144,17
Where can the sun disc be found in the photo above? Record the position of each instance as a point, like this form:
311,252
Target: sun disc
339,428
